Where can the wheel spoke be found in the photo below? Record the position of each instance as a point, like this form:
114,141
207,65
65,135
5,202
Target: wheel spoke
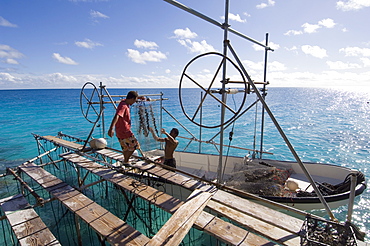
87,103
208,88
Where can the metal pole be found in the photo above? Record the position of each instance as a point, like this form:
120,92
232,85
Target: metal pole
214,22
352,195
161,112
200,122
224,94
264,96
282,134
179,123
102,107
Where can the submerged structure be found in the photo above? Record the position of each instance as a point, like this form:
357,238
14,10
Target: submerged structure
79,192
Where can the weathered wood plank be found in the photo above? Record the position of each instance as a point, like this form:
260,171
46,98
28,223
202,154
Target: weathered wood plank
26,223
110,227
63,143
176,228
173,177
220,229
258,211
159,198
227,231
267,230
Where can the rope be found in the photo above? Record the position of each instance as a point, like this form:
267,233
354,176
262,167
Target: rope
255,131
231,133
329,189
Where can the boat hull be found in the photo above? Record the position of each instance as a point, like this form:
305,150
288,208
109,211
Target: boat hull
312,203
205,166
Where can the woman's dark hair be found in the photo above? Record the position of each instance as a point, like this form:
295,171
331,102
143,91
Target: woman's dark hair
132,94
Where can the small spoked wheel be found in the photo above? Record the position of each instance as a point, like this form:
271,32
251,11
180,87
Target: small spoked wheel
90,102
201,99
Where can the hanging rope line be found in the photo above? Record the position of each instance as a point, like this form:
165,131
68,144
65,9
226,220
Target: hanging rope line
231,133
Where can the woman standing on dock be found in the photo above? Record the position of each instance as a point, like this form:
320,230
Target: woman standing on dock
122,124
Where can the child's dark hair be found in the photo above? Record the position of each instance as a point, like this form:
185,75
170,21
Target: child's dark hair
176,131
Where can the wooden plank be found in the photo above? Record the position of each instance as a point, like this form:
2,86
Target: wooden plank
63,143
268,215
176,228
28,227
258,211
185,182
224,231
254,225
159,198
110,227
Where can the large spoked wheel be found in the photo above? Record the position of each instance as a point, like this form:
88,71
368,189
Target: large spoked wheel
90,102
202,104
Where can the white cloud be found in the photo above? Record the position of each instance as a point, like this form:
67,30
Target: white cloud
54,80
88,44
7,77
60,80
293,32
184,37
338,65
265,5
365,61
167,71
97,14
185,33
294,48
352,5
196,47
142,58
312,28
260,66
9,55
328,23
276,66
11,61
355,51
145,44
326,78
236,18
64,60
6,23
314,51
277,78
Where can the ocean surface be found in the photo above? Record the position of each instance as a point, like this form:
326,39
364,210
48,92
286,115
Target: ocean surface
324,125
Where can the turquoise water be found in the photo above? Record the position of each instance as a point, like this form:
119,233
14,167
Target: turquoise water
324,125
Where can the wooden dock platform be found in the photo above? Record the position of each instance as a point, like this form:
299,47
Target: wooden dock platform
257,224
108,226
26,224
225,231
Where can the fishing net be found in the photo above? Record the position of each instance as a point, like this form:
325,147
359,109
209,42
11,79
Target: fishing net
260,179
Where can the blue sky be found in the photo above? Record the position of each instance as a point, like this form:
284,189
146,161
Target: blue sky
147,43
